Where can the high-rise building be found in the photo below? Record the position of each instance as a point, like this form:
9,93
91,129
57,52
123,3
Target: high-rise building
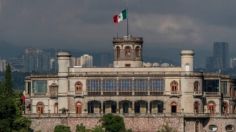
36,60
86,60
221,55
2,65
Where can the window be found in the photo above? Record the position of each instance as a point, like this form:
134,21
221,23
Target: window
140,85
223,86
137,51
196,107
225,107
78,87
125,85
39,87
56,108
173,107
127,51
174,87
78,107
94,85
117,52
109,85
40,108
211,85
196,86
229,128
213,128
157,85
53,88
211,107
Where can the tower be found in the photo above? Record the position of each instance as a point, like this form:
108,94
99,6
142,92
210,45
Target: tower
187,60
63,66
128,51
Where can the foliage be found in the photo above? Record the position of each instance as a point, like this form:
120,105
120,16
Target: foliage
8,91
21,123
166,128
80,128
62,128
98,129
113,123
10,114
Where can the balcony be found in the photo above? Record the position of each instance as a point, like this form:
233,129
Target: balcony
211,94
175,93
197,93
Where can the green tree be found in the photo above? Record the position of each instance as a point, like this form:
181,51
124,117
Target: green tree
62,128
166,128
7,84
113,123
21,124
80,128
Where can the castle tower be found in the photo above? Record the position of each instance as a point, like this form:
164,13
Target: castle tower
187,60
128,51
63,66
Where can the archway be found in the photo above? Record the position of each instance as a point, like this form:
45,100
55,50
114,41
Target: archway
94,106
56,108
173,107
109,106
225,107
125,106
40,108
78,107
211,107
196,107
156,106
140,106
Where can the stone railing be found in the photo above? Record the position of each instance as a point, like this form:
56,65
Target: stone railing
197,93
211,94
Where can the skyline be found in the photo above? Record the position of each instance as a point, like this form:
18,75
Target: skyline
87,25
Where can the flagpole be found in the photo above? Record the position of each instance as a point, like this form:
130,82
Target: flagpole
127,22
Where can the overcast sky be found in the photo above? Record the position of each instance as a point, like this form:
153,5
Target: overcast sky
87,24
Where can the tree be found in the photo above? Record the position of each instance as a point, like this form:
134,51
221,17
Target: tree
62,128
80,128
98,129
113,123
166,128
7,86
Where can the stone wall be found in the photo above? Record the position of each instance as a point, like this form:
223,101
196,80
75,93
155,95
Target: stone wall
137,124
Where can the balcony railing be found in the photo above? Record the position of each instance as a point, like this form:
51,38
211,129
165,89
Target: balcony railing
197,93
211,94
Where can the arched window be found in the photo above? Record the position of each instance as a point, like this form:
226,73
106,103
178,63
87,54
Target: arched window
117,52
173,107
174,87
137,51
40,108
78,87
56,108
196,107
225,107
196,86
78,107
229,128
127,51
211,107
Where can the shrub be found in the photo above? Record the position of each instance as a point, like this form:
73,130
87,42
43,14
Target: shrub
62,128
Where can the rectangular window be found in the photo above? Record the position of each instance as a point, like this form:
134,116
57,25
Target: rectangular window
223,87
39,87
109,85
140,85
156,85
211,85
94,85
125,85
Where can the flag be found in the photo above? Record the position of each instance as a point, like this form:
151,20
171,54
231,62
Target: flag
120,17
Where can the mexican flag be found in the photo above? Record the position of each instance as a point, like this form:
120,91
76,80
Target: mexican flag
120,17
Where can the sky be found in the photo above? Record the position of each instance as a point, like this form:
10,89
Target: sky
88,24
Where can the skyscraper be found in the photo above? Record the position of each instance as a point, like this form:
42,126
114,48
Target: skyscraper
221,55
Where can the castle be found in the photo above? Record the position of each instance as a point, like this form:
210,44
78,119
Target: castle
189,100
